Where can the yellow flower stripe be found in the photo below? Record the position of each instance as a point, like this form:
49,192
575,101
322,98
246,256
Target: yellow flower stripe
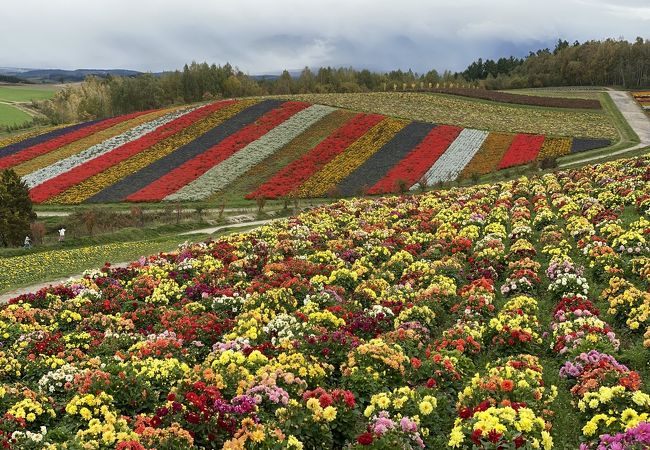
554,147
489,155
30,134
82,144
20,270
355,155
96,183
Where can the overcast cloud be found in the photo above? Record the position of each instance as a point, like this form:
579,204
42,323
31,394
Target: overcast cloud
264,36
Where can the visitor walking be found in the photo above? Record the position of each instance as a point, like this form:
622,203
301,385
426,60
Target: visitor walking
61,234
28,242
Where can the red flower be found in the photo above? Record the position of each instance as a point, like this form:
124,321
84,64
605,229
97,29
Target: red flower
494,437
325,400
519,441
365,439
476,436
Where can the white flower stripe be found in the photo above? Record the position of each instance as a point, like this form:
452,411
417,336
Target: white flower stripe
64,165
456,157
236,165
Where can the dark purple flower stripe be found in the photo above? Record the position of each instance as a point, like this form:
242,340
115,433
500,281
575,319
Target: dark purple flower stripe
18,146
582,145
142,178
387,157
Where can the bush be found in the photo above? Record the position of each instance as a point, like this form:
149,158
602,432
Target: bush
548,163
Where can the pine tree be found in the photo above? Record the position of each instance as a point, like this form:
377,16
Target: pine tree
16,211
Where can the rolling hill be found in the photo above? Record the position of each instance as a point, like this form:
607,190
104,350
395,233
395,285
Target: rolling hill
268,148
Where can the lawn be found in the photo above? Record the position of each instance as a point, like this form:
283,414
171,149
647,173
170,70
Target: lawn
26,93
472,113
12,116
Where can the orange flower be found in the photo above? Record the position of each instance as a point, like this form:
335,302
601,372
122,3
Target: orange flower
491,386
507,385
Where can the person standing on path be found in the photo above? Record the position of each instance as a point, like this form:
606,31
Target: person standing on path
28,242
61,234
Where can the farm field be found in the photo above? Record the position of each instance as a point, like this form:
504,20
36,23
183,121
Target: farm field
10,115
472,113
261,148
512,314
26,93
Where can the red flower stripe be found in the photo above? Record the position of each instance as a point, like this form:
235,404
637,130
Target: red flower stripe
80,173
296,173
194,168
58,142
413,167
524,149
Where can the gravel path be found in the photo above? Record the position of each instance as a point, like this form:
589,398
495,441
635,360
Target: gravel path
635,116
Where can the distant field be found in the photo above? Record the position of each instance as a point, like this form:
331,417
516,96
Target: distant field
26,93
12,116
590,94
471,113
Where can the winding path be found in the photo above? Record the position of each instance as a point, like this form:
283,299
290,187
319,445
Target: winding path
635,116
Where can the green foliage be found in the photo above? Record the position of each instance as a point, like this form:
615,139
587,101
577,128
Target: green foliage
592,63
15,209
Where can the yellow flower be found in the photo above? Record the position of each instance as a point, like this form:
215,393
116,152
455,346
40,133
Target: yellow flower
329,413
426,408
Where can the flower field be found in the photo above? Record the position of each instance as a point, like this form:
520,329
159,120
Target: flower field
260,148
514,315
643,98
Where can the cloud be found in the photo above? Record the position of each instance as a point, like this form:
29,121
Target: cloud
261,36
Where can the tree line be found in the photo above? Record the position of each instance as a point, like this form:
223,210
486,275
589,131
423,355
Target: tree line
593,63
610,62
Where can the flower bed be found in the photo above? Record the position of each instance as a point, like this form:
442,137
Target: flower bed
194,153
410,322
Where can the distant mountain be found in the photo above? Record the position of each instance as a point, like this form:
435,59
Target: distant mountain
63,76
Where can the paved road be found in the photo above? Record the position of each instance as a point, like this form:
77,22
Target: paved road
635,116
33,288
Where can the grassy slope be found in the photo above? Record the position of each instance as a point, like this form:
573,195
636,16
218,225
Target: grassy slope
26,93
12,116
473,113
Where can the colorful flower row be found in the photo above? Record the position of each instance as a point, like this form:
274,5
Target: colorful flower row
355,158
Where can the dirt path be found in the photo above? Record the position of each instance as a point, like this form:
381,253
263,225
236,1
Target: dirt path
635,116
35,287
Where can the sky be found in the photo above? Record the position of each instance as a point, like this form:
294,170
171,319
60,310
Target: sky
266,36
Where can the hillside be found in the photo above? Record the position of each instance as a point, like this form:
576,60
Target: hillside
262,148
512,314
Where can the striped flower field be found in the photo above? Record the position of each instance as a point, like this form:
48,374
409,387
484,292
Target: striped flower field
260,148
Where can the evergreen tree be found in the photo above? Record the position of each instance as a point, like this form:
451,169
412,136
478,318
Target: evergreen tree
15,209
